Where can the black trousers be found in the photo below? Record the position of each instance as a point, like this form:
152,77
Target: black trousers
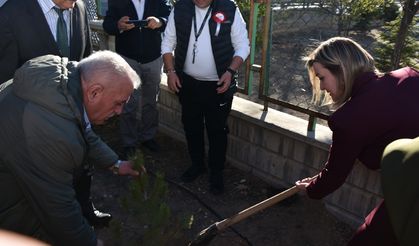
202,106
82,188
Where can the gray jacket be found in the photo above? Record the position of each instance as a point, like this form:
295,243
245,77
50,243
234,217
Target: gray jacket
43,145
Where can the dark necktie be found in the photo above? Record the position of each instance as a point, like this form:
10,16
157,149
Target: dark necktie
62,38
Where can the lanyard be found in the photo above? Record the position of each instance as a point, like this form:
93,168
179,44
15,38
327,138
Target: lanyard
197,34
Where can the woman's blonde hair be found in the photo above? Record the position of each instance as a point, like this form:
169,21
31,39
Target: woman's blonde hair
345,59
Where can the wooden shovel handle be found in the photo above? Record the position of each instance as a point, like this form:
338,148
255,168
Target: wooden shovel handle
221,225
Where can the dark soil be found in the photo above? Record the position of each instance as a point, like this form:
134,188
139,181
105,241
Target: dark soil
294,221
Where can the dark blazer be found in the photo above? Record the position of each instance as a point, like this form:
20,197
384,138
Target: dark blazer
142,45
25,34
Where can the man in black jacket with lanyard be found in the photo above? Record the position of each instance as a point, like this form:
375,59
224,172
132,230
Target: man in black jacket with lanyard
140,44
210,42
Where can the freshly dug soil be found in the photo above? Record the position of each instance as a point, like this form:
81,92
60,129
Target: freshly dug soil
295,221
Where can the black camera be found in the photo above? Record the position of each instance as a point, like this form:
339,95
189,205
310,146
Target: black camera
138,23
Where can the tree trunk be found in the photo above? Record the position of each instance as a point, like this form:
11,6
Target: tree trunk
409,11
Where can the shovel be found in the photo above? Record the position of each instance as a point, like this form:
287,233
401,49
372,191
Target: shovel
206,235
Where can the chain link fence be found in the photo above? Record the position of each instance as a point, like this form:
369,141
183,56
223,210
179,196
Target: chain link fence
297,28
92,11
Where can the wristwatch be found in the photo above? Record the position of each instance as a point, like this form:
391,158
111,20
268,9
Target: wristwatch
233,72
115,167
170,70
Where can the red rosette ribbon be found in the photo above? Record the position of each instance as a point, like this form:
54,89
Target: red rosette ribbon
219,17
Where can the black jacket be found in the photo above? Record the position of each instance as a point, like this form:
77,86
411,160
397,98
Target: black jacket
222,47
142,45
25,34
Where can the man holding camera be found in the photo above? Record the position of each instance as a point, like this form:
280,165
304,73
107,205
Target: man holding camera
139,42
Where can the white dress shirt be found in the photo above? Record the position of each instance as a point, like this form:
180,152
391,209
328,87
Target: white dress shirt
204,67
86,119
139,7
52,17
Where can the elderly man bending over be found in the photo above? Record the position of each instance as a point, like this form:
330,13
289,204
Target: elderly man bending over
46,137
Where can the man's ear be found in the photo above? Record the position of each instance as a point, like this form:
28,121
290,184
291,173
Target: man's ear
94,92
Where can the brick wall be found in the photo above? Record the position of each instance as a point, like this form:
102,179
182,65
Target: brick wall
275,147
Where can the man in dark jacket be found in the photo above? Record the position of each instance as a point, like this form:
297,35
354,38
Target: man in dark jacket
34,34
140,44
210,42
46,136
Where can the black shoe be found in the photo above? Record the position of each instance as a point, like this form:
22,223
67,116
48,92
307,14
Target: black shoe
98,219
216,189
191,174
216,183
128,152
152,145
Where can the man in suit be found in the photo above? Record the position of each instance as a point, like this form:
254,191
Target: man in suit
140,44
33,33
29,30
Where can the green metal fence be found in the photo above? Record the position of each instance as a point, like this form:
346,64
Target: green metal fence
282,32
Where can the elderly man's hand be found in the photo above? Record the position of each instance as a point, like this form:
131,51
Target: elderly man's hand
125,168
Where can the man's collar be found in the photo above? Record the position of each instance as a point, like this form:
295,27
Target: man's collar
86,119
46,5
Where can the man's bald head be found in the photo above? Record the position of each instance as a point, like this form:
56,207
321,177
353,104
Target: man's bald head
107,82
